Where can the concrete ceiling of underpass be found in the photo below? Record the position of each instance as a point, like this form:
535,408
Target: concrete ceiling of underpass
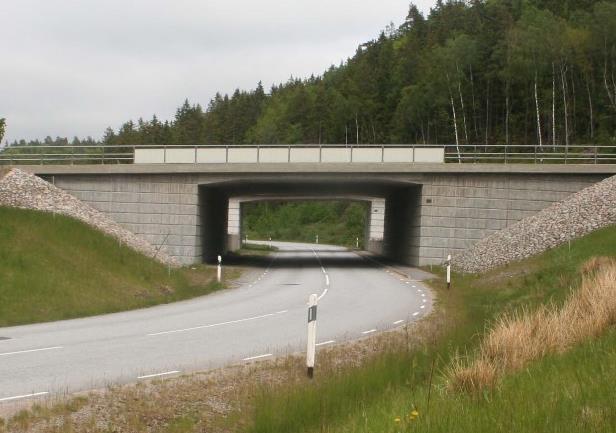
309,188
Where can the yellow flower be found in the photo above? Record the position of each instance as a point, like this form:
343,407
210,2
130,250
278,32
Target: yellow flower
414,413
397,419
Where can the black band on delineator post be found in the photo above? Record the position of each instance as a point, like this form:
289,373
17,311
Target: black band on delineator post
312,313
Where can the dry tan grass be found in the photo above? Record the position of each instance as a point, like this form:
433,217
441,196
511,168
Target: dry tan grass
518,338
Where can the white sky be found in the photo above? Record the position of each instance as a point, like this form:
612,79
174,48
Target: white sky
74,67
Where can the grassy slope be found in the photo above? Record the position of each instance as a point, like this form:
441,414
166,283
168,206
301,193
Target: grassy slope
55,268
569,392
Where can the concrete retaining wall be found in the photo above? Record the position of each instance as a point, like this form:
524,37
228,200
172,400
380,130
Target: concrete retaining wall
456,211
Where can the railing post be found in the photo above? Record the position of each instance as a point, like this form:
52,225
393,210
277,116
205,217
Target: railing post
165,154
227,153
258,153
595,154
566,153
103,160
195,153
506,156
535,148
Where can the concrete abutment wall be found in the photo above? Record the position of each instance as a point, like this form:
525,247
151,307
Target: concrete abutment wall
426,215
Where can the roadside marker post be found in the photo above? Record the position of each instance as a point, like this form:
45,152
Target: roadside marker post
357,243
317,239
219,269
312,335
449,272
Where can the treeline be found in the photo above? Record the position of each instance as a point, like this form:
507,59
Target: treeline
471,72
335,222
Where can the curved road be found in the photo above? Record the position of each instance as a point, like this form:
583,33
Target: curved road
264,317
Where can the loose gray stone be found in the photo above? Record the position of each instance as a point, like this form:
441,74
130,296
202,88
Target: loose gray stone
584,212
26,191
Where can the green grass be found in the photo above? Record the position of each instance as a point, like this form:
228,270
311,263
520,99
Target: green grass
569,392
54,267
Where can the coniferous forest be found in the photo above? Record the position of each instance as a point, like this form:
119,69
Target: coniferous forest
536,72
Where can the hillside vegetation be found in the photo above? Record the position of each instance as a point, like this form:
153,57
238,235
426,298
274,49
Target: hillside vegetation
336,222
53,267
567,387
517,72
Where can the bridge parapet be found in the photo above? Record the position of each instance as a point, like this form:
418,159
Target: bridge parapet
385,154
271,154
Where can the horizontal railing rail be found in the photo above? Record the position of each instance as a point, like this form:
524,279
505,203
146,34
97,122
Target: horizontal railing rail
465,154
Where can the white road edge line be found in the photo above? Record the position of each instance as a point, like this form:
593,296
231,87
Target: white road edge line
250,358
398,322
17,397
325,343
31,350
166,373
231,322
370,331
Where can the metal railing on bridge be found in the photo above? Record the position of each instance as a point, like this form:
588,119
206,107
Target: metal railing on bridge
382,153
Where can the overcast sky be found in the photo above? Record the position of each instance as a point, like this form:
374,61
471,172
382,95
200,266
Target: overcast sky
74,67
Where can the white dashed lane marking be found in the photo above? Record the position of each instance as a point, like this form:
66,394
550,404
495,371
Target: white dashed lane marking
213,325
31,351
251,358
166,373
19,397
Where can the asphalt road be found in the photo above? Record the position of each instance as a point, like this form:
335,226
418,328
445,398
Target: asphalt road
266,316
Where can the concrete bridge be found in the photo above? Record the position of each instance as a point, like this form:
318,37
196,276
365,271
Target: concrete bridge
419,213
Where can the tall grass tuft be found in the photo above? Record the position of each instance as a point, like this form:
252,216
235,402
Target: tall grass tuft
520,337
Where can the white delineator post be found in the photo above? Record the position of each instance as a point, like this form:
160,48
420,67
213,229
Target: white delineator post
312,334
317,239
449,271
219,269
357,243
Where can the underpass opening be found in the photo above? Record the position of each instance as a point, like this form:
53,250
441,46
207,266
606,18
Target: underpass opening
341,221
391,218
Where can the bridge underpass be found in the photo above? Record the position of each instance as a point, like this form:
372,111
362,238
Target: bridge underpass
431,210
392,222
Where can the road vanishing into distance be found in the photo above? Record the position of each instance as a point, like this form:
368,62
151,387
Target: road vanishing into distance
265,316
